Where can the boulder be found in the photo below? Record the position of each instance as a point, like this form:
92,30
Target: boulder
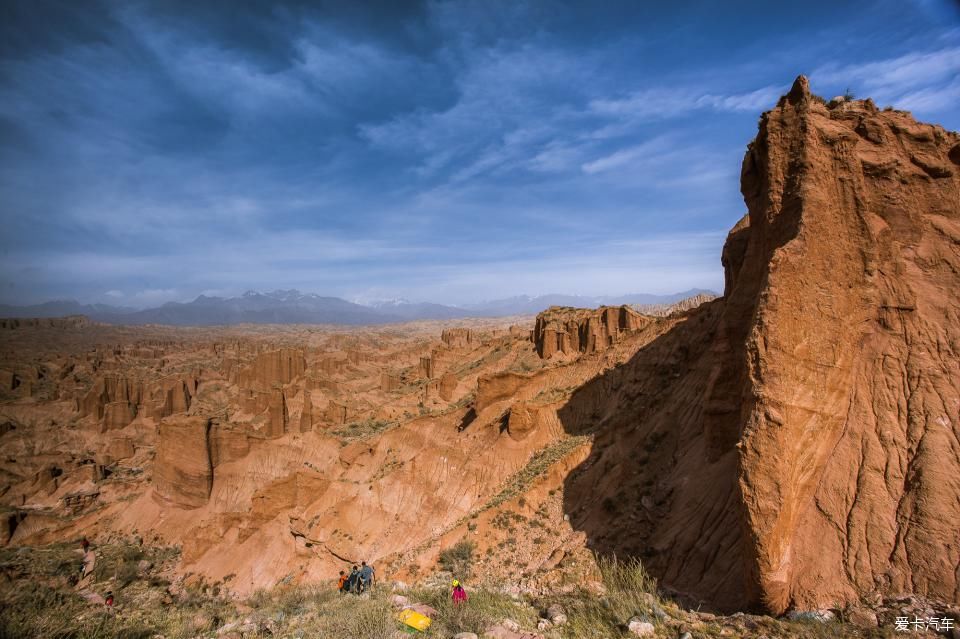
641,628
557,615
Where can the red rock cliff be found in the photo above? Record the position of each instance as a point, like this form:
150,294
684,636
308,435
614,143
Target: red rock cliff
844,326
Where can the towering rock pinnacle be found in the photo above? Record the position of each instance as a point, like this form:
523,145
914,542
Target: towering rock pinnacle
796,444
843,332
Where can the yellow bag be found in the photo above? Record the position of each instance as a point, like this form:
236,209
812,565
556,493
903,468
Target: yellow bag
414,619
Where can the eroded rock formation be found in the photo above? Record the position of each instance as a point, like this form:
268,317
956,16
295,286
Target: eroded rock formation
791,445
798,438
183,473
848,372
578,330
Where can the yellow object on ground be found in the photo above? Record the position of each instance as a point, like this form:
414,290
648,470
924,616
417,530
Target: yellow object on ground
414,619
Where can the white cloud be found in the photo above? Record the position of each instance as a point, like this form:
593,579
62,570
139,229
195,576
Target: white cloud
666,102
622,157
114,293
921,81
155,296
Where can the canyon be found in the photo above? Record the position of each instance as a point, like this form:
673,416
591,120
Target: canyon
791,445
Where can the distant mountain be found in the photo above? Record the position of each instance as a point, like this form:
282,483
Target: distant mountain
62,308
277,307
294,307
419,310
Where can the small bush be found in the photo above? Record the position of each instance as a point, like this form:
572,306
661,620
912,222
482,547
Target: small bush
458,559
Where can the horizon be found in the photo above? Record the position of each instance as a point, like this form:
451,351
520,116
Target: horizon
154,152
377,303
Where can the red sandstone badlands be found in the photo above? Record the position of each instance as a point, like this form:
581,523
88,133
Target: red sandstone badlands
791,445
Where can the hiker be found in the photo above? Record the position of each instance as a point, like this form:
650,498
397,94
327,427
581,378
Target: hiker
353,581
459,594
342,582
84,545
109,600
367,574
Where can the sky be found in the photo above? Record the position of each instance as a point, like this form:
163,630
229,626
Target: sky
440,151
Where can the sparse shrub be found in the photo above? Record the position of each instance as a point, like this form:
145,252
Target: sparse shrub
127,573
629,591
363,429
458,559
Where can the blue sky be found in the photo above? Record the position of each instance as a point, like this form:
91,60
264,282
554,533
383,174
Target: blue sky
448,151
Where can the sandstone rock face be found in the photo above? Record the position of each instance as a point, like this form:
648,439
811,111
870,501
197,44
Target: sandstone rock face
457,337
177,398
117,415
497,387
848,377
792,436
275,367
573,330
782,442
183,473
108,389
336,413
448,385
306,413
121,448
389,382
279,417
426,367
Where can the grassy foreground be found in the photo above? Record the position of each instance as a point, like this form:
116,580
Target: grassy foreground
39,598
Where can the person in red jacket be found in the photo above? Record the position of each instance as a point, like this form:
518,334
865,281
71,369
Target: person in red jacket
459,594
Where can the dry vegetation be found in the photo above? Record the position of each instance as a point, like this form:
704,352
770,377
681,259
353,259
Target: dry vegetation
38,599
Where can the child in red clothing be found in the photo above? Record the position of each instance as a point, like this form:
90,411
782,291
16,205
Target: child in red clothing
459,594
